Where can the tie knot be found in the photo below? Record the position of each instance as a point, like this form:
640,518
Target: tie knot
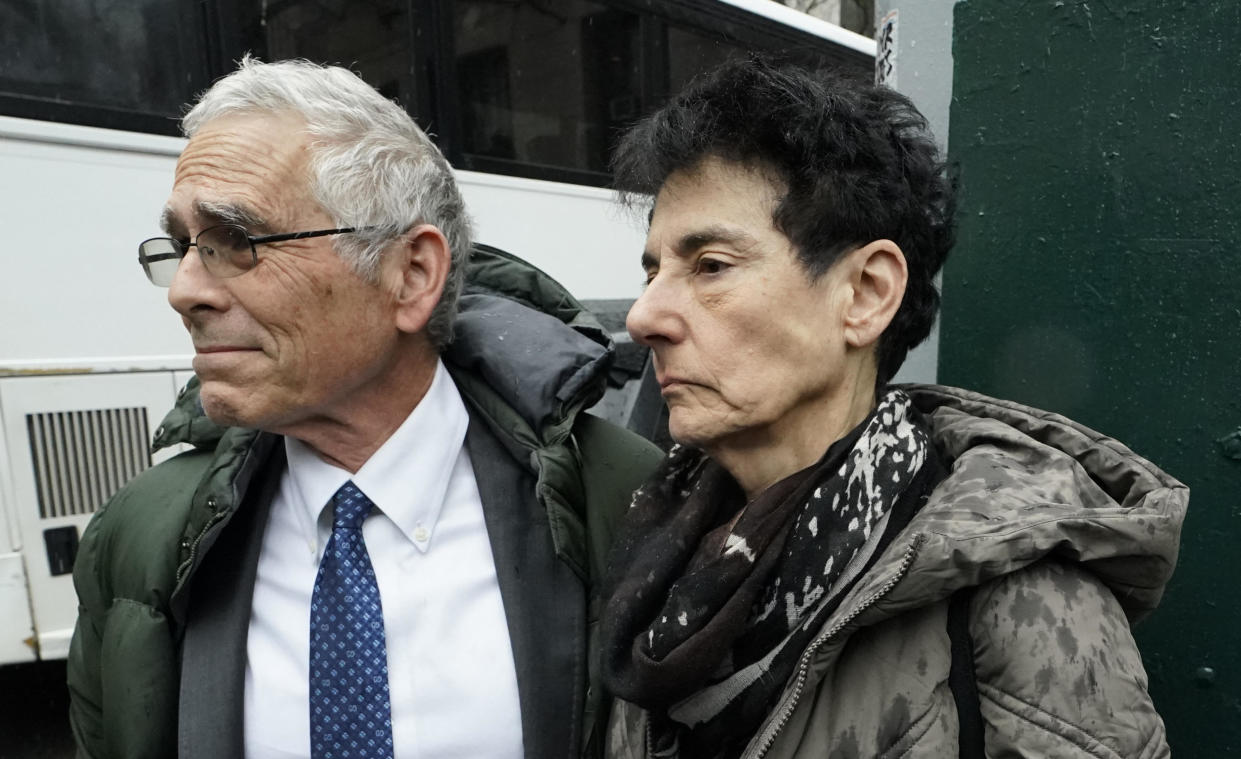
352,506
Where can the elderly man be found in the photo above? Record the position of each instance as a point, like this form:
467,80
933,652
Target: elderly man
381,544
827,565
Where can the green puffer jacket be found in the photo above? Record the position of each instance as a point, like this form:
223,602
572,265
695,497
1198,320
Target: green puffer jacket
1066,534
529,374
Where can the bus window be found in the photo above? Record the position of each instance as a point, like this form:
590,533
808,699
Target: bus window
123,64
544,83
370,38
691,52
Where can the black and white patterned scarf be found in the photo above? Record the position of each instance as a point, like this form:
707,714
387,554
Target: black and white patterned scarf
707,611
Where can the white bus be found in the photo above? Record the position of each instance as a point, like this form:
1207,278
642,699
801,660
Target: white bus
523,96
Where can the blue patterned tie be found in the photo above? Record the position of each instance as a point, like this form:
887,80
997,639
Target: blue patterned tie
350,711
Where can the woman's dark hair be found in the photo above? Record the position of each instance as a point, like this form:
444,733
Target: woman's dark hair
856,160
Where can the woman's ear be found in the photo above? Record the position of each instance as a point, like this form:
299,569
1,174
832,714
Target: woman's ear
876,276
424,258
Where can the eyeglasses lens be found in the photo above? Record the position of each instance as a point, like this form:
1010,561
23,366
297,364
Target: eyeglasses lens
160,258
225,250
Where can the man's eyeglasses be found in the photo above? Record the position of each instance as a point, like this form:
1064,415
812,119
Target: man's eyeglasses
226,250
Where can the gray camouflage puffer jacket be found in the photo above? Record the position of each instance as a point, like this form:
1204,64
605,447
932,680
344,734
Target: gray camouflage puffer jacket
1068,536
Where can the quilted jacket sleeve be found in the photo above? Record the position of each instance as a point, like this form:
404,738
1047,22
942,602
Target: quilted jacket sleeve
83,667
1058,671
85,714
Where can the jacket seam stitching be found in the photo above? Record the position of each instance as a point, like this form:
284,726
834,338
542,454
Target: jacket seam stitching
926,721
1030,525
1104,751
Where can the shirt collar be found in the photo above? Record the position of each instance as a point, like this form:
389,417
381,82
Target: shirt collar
407,477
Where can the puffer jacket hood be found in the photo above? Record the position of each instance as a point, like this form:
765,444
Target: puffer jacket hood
1026,485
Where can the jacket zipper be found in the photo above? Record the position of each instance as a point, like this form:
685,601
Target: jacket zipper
803,667
188,564
218,513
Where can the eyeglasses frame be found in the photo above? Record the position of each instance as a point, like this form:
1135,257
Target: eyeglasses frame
145,260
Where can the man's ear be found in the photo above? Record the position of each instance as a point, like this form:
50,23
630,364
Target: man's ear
424,258
876,275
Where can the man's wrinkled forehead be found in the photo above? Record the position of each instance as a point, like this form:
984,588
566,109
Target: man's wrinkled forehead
250,169
249,137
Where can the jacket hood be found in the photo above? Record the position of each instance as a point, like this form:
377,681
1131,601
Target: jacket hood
521,340
1025,485
521,345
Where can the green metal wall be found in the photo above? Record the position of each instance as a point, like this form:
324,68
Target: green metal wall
1098,274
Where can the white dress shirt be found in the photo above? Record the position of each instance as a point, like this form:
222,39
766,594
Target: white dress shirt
450,663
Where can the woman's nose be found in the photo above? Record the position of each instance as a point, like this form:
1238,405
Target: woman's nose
655,316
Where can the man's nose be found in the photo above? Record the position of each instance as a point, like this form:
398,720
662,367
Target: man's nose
193,287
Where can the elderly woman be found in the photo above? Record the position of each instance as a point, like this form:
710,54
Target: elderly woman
827,565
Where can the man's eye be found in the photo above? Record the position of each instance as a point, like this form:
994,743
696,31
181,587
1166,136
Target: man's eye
711,266
649,277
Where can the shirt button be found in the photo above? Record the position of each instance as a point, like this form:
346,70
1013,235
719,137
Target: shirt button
421,535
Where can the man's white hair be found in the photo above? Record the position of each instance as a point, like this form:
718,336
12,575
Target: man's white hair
370,164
